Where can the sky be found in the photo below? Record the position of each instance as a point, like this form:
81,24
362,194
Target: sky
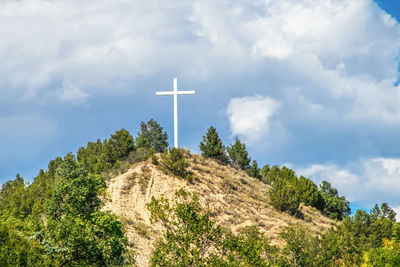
313,85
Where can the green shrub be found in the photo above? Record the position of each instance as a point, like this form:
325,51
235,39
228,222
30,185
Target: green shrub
271,174
189,178
192,238
173,161
387,255
301,246
283,196
309,193
154,159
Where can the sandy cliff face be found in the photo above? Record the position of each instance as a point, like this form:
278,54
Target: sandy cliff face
232,197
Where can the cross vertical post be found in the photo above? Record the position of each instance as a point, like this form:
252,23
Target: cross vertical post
176,112
175,93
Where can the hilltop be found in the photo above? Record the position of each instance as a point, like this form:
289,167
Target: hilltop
232,198
92,209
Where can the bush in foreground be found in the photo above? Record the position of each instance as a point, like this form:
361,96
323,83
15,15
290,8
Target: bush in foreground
173,161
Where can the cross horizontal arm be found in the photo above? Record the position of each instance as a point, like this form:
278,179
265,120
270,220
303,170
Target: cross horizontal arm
177,93
185,92
165,93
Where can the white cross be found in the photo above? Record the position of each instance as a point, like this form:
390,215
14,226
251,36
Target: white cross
175,93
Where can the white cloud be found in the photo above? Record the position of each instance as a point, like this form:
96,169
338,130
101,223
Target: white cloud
338,51
346,182
374,181
250,116
73,94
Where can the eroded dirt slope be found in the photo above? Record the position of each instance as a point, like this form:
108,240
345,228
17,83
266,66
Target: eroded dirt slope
232,197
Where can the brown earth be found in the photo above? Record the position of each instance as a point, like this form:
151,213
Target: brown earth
232,198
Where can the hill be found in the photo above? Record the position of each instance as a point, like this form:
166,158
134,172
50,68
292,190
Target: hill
92,210
232,198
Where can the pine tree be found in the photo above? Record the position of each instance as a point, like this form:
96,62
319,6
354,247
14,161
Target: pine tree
238,155
211,146
254,171
309,193
151,135
117,147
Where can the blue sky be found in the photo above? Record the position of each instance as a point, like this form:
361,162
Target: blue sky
309,84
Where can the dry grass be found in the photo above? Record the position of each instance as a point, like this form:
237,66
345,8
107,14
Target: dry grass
144,178
129,182
228,184
126,221
142,229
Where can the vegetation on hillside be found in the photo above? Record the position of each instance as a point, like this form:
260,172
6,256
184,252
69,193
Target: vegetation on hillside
193,239
57,219
211,146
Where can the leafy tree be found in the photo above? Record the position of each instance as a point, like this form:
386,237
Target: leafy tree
151,135
211,146
77,193
382,222
284,196
173,161
250,248
238,154
254,171
387,255
362,232
396,232
301,247
90,156
192,238
20,245
78,233
309,193
335,207
12,198
331,248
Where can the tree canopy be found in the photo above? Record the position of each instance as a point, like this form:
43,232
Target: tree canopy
151,135
238,154
211,146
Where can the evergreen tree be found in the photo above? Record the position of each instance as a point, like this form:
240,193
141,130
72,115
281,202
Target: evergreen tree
271,174
238,155
284,197
335,207
117,147
211,146
254,171
90,156
151,135
309,193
